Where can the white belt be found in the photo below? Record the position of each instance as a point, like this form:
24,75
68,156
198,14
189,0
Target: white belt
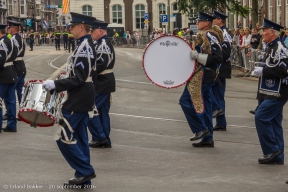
18,59
106,72
89,79
8,64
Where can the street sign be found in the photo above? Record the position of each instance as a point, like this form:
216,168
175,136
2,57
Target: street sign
51,6
173,18
164,18
146,16
146,21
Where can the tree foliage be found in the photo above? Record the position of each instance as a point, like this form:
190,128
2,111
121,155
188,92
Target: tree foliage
208,6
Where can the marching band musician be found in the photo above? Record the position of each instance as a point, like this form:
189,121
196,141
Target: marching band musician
272,95
208,54
19,64
224,70
104,83
8,79
73,138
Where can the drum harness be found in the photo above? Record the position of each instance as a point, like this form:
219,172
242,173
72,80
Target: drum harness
9,55
19,51
2,44
62,120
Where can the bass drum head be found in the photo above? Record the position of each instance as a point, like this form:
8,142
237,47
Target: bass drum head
167,62
36,118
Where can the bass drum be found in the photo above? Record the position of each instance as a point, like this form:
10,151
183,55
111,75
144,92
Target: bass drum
167,62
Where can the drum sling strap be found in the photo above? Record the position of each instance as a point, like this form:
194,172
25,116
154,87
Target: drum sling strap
62,120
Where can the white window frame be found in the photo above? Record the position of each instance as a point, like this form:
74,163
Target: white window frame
87,12
38,10
270,10
22,6
163,9
141,16
10,7
278,19
172,6
286,14
117,14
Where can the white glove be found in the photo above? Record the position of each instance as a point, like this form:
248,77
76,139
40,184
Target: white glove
194,54
258,71
48,85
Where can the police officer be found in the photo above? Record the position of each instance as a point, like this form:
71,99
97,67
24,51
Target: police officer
31,38
272,95
104,83
8,79
65,40
18,63
198,112
57,36
223,71
73,141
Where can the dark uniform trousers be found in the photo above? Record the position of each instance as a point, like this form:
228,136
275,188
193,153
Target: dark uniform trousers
7,92
57,44
269,127
77,155
71,44
65,42
198,122
99,126
19,86
31,43
219,101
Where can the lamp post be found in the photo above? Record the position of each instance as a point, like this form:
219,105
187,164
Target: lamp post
260,5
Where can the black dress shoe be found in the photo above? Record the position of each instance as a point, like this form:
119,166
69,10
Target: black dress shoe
79,180
97,143
219,128
103,146
4,118
18,119
200,134
268,159
204,144
217,113
9,130
252,112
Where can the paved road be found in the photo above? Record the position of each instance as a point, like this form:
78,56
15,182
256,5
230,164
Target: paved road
151,148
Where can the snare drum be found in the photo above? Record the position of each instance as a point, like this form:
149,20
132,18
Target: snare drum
167,62
34,105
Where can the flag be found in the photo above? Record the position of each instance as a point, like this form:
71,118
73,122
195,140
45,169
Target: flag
65,6
45,24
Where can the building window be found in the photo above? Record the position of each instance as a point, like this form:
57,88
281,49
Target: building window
10,7
174,7
139,12
270,15
87,10
286,14
117,14
279,12
22,8
37,10
244,24
162,10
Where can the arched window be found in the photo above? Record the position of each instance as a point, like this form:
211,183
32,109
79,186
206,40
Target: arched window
87,10
174,7
139,15
162,10
117,14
